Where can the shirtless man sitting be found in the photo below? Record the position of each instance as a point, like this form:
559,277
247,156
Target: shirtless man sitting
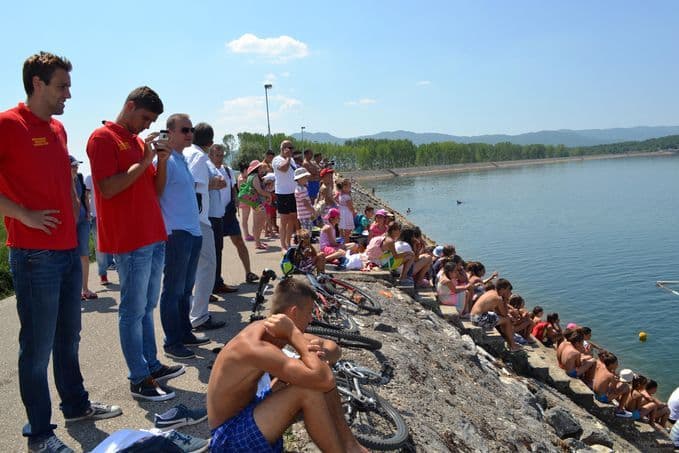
244,413
490,310
571,357
607,386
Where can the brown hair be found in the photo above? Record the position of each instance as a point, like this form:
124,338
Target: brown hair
147,99
173,119
43,65
291,292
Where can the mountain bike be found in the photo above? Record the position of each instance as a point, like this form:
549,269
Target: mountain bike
376,424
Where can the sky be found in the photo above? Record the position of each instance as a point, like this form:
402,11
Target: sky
355,68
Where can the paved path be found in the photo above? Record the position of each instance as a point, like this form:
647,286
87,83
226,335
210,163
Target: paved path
104,368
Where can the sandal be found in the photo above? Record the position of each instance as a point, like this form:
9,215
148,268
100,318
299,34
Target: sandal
262,247
249,238
251,278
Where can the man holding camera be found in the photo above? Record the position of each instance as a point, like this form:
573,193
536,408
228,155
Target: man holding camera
123,173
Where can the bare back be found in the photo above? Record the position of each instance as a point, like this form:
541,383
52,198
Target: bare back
233,381
488,301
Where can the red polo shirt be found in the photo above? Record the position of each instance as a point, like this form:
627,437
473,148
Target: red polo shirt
35,172
132,218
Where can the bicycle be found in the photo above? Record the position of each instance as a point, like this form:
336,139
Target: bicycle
376,424
322,328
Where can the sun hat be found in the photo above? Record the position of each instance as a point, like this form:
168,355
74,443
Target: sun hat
626,375
438,251
255,164
571,325
301,172
269,177
381,212
332,213
326,171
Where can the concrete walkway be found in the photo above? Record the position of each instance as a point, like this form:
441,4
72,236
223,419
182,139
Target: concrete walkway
103,366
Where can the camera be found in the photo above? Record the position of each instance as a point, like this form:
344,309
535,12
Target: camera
163,135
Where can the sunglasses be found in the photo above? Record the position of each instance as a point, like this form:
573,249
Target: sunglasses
289,147
186,130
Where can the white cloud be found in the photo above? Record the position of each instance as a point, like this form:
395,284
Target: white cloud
248,113
278,50
270,78
285,74
363,101
423,83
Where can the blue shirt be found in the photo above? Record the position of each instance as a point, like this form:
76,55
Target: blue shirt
178,202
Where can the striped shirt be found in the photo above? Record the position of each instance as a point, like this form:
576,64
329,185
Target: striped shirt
301,194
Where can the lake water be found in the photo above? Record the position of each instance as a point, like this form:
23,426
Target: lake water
586,239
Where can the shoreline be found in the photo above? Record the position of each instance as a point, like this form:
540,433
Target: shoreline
405,172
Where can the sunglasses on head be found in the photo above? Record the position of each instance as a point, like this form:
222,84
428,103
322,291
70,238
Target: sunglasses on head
186,130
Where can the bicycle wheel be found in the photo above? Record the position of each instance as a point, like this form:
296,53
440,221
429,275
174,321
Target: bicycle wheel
375,423
336,321
358,296
344,338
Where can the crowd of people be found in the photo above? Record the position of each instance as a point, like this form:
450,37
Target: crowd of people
159,208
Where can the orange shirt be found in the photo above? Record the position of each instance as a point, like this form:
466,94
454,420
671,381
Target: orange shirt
35,172
131,219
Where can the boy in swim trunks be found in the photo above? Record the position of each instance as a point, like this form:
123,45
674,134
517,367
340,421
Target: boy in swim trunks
607,386
490,310
244,414
570,355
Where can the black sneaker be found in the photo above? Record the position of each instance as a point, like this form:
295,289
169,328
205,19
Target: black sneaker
195,341
210,324
179,352
97,411
150,390
168,372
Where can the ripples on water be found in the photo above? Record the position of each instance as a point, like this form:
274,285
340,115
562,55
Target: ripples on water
587,239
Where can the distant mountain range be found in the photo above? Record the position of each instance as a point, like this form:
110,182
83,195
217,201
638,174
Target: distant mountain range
567,137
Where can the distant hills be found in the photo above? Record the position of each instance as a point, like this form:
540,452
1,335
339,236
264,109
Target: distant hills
567,137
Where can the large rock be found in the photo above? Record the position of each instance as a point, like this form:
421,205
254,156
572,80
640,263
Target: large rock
563,423
596,433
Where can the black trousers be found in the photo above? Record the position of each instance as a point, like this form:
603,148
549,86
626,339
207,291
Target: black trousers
218,231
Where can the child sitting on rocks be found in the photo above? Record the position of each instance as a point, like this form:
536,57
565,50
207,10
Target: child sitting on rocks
490,311
606,385
570,356
637,403
521,319
544,330
662,411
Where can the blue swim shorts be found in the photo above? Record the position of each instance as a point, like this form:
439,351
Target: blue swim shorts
636,415
240,433
602,398
573,374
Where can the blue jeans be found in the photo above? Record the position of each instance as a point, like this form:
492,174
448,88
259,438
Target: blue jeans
181,261
139,272
104,260
47,285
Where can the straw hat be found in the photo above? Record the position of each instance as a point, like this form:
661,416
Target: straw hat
255,164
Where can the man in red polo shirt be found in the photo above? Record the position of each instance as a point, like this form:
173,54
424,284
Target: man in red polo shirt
40,209
131,227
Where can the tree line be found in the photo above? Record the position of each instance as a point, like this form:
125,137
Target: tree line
371,154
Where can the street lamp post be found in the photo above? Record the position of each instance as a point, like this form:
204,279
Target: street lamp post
303,127
267,87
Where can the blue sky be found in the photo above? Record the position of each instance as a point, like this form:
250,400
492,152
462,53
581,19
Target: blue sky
352,68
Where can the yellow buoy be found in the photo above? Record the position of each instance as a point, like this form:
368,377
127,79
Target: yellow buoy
642,336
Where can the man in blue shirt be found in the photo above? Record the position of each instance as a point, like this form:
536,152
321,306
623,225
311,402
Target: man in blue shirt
179,206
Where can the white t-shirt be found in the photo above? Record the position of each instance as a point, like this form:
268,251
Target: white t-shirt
89,186
197,160
285,180
673,404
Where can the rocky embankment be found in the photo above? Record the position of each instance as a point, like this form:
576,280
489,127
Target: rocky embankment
456,396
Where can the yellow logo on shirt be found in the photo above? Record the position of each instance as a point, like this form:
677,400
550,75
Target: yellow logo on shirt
40,141
123,146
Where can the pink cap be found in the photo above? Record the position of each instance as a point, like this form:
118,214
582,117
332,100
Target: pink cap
571,325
